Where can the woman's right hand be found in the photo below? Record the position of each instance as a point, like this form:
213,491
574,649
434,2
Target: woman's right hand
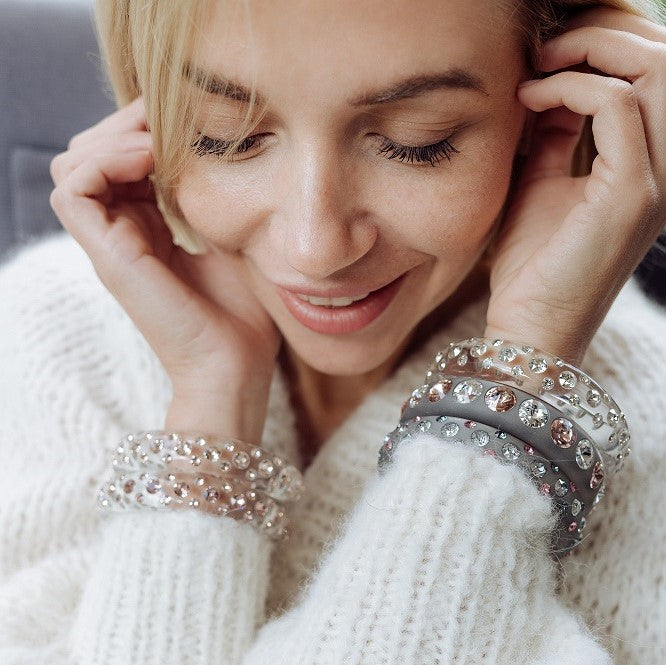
216,342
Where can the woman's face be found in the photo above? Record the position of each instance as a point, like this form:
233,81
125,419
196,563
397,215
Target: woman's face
323,201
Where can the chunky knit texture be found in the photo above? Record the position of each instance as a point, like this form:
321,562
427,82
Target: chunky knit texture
441,560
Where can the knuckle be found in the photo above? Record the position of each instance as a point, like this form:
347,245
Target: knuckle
57,200
620,92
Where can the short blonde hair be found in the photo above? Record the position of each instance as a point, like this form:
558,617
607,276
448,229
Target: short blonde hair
145,46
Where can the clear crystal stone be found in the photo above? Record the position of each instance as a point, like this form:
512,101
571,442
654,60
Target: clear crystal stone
211,494
184,448
510,451
480,438
478,350
497,342
593,398
450,429
538,468
454,351
563,433
597,420
561,487
467,391
212,454
500,399
417,395
576,507
518,371
533,413
439,357
584,454
538,365
567,379
581,523
548,383
462,359
424,426
156,445
266,468
599,495
528,349
438,390
181,489
507,354
487,363
229,446
152,485
241,460
613,417
237,500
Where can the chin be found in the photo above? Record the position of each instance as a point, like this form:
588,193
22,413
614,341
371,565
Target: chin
338,357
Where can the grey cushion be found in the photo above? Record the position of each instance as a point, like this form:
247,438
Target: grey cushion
51,87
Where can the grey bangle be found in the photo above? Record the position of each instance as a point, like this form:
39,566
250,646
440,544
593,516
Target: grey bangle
547,377
510,411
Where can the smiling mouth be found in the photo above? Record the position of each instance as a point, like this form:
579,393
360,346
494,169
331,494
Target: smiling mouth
340,314
331,302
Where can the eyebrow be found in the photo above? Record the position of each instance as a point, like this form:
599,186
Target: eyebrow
413,86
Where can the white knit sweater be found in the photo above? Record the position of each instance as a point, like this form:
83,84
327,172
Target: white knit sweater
442,560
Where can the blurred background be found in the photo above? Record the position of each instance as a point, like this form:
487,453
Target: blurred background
52,86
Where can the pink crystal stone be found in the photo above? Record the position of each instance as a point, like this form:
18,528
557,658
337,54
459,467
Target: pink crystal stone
470,424
563,433
500,399
597,476
544,488
528,449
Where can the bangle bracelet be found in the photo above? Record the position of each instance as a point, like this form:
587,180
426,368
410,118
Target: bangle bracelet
548,377
513,412
220,476
548,477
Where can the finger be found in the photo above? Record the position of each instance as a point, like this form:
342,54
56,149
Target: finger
554,138
65,162
617,125
616,53
76,200
616,19
129,118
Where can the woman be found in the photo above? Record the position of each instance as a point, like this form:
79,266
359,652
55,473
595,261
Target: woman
350,187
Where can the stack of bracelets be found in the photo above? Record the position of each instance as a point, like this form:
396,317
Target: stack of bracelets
525,407
220,476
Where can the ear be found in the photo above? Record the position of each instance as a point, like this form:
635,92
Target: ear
525,141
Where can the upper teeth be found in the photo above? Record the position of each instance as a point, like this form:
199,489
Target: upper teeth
331,302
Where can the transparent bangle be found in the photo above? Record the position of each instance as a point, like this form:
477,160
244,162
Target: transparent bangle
548,377
218,475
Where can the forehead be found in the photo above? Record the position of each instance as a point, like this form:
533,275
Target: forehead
322,47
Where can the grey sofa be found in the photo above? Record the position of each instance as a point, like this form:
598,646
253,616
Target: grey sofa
52,86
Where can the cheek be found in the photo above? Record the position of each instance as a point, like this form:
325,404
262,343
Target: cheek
219,208
451,214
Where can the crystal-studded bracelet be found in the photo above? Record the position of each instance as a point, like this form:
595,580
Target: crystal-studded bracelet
548,476
511,411
218,475
548,377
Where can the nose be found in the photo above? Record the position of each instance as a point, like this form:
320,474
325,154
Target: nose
326,227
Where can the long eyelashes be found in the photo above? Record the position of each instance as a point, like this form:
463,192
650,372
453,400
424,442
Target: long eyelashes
431,154
428,153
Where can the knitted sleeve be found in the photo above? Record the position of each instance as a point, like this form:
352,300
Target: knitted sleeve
443,560
75,586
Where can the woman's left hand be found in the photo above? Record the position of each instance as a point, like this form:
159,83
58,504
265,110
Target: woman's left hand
568,245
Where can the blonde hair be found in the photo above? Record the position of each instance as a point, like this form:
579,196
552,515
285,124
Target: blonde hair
145,46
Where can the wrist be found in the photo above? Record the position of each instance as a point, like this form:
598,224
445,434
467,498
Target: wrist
236,410
568,348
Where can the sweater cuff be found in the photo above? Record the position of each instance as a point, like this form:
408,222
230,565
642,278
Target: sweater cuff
444,559
171,587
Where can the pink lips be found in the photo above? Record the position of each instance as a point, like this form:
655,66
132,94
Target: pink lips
340,320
